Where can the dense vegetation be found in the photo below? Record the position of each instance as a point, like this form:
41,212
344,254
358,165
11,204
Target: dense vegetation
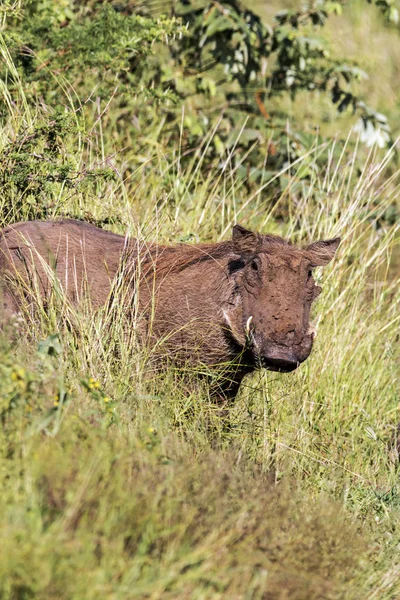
172,121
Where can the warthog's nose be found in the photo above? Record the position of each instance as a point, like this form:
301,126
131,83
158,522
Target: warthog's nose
290,334
283,364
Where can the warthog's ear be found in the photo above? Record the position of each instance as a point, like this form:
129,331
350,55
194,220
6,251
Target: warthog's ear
244,241
321,253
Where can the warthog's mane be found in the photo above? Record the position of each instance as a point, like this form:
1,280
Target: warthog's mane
174,259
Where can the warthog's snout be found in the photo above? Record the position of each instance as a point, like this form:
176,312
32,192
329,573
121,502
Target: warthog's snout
282,362
282,357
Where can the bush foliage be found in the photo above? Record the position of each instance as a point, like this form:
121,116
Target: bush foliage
167,79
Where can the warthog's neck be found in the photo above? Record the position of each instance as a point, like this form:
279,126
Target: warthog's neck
183,292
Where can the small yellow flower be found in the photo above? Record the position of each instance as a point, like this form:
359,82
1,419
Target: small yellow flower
93,384
106,399
56,403
151,431
18,373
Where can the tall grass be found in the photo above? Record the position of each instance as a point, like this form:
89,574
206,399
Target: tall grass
121,485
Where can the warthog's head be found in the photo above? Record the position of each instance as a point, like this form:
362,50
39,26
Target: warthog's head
273,289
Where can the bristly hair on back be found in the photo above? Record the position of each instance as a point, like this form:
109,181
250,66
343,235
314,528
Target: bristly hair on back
174,259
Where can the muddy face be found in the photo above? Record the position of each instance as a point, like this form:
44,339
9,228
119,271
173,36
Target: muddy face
273,292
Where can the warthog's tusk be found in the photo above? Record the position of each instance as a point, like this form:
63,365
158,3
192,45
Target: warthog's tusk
248,323
312,330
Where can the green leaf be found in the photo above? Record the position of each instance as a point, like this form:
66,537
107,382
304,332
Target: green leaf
219,24
393,15
333,8
218,145
51,345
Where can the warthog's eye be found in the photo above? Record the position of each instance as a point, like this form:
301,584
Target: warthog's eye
254,265
310,274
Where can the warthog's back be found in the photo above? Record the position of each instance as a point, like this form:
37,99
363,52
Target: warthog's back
81,257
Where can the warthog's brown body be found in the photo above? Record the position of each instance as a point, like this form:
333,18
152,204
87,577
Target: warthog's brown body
231,306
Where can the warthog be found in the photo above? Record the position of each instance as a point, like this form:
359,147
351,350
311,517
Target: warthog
231,306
